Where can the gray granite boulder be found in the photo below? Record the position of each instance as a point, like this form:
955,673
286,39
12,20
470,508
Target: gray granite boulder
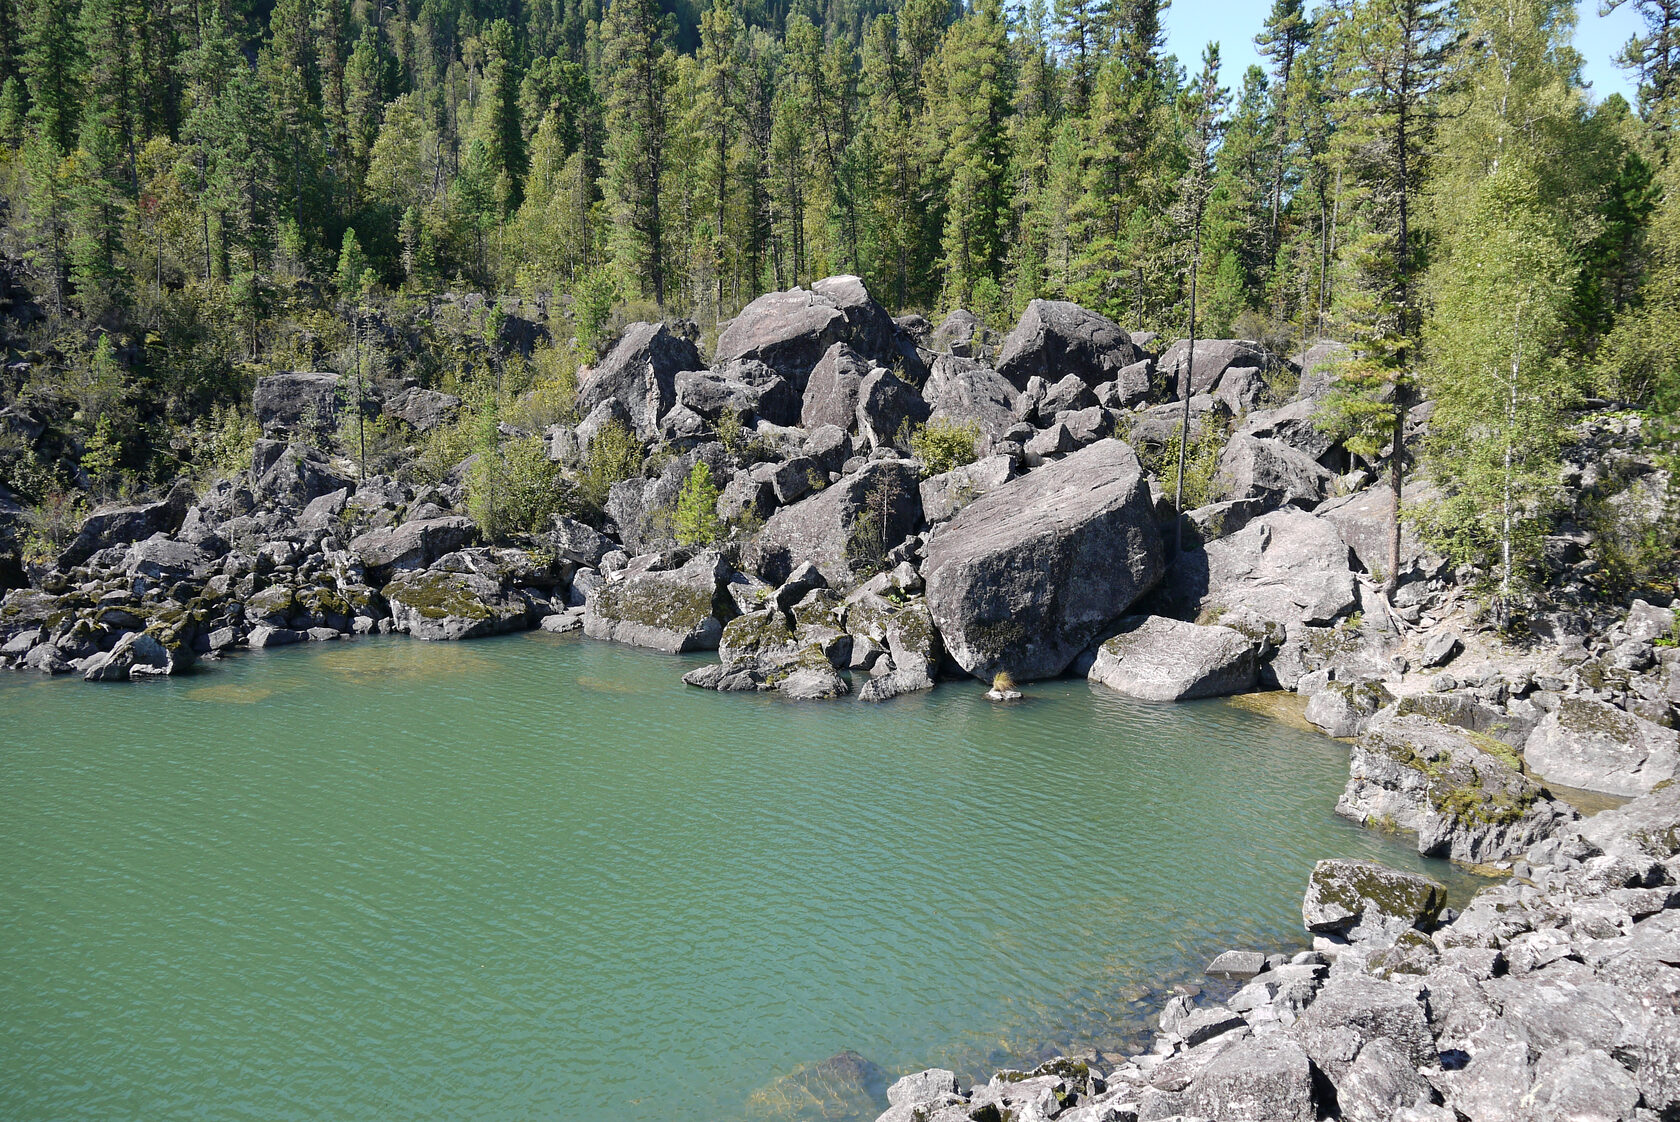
641,373
847,527
423,410
1462,794
945,494
888,411
1270,471
414,544
1294,425
434,605
136,655
1344,708
1056,338
1213,358
961,390
831,394
1351,1011
791,331
1364,902
1286,567
296,402
745,390
1262,1079
1158,424
163,559
1025,577
290,476
1595,746
1362,520
1155,658
671,610
125,524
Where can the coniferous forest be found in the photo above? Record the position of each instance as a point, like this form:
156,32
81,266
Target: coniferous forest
197,193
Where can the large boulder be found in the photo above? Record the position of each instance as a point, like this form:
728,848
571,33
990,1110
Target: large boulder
888,411
791,331
1595,746
412,545
1294,424
1286,567
1262,1079
136,655
125,524
1158,425
1056,338
1213,358
641,373
423,410
1364,902
296,403
290,476
672,610
1272,472
1353,1010
1462,794
161,558
962,390
1027,576
1160,659
747,390
945,494
429,604
845,528
1362,519
831,395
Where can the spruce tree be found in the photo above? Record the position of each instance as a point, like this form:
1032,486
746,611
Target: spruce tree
637,61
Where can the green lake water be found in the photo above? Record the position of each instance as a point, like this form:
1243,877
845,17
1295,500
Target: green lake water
538,878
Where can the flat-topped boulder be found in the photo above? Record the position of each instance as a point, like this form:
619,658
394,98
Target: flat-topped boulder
433,605
1595,746
414,544
1155,658
1027,576
1056,338
1461,793
945,494
640,372
677,609
297,402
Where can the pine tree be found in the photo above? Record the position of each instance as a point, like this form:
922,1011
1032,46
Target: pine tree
971,91
53,65
1394,54
638,64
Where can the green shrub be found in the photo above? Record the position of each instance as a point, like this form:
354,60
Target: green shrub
514,488
1201,465
942,444
593,298
614,455
697,522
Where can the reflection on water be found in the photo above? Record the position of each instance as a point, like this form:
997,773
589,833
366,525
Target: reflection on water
534,877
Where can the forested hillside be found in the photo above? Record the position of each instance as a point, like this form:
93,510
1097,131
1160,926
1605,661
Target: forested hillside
197,193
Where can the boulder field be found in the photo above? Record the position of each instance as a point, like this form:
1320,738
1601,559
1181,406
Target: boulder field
853,568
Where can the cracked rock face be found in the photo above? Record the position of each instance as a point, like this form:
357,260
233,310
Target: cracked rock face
1028,575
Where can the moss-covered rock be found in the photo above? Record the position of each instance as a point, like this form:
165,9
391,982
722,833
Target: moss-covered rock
1364,902
434,605
672,610
1463,801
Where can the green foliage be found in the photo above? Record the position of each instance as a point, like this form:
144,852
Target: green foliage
102,458
943,444
696,521
1201,465
50,524
593,298
513,488
615,454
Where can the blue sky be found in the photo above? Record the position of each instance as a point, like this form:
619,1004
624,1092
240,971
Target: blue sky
1191,23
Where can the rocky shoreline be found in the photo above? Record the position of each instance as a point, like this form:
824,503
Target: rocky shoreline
850,566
